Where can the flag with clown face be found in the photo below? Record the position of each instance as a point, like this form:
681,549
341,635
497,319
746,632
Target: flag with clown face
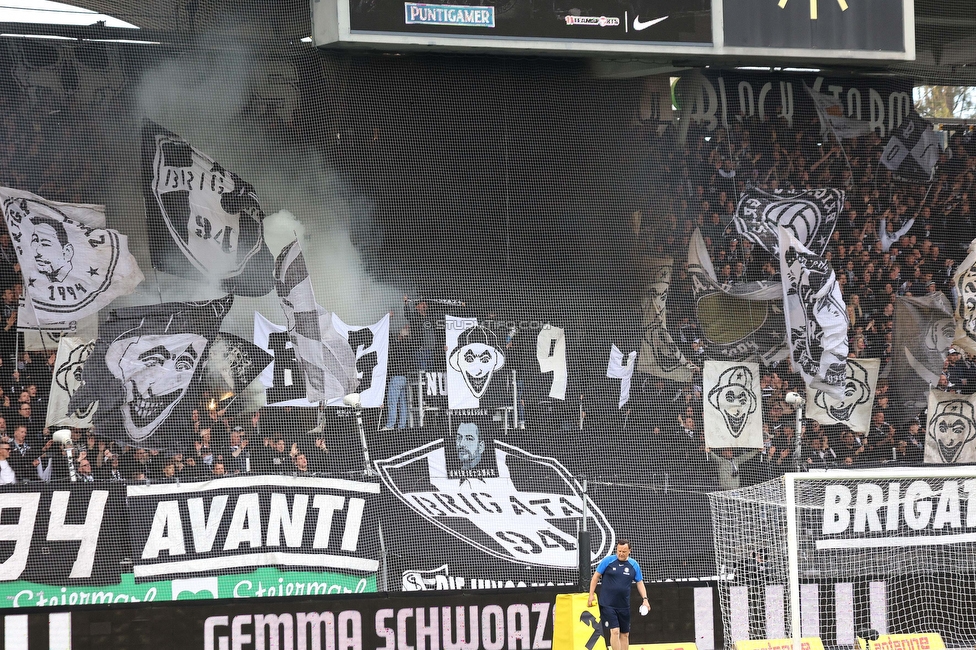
853,410
731,413
143,366
473,358
950,434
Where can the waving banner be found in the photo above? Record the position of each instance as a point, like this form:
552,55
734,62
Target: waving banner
758,330
922,333
68,367
371,345
964,280
327,361
659,354
853,410
732,413
72,265
204,221
143,366
950,433
816,316
809,215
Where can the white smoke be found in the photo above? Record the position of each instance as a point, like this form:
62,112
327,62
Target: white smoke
202,97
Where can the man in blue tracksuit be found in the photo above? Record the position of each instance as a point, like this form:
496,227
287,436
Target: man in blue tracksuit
618,572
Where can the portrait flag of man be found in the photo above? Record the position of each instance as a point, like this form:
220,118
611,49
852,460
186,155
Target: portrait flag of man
203,221
68,367
809,215
816,316
327,361
71,264
732,413
950,433
143,366
853,410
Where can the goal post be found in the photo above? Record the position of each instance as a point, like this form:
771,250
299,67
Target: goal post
837,553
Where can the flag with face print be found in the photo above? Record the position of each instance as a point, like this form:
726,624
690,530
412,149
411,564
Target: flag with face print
853,410
732,408
950,433
143,367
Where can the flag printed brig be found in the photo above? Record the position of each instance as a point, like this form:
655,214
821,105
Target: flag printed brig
816,316
659,354
71,264
853,410
913,150
371,345
950,431
203,221
143,365
810,215
732,413
327,361
739,322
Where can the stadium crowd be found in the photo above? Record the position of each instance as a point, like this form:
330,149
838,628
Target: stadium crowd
893,239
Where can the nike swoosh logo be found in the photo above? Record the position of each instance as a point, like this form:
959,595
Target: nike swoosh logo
638,25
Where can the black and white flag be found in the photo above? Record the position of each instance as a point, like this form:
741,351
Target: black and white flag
371,345
853,410
816,316
68,366
327,361
550,352
659,354
38,339
732,408
473,359
622,367
143,365
203,221
950,433
809,215
739,322
833,117
964,281
913,150
921,336
72,265
283,380
236,361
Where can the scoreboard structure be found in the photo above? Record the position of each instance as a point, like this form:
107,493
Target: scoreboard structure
857,30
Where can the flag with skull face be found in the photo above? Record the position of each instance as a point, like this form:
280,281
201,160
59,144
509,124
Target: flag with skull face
854,409
950,434
144,364
731,414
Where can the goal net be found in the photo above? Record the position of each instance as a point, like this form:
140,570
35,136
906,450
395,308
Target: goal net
839,554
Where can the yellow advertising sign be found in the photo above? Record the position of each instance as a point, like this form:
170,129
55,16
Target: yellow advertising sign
927,641
806,643
576,626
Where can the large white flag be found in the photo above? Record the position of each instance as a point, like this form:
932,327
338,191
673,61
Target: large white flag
283,379
950,434
965,283
816,317
72,265
550,352
473,358
732,408
72,354
371,343
853,410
